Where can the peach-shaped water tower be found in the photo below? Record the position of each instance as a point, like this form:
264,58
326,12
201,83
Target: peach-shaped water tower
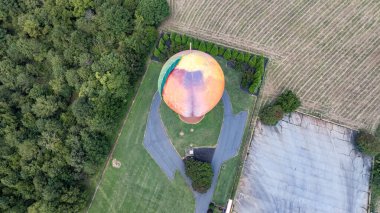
191,83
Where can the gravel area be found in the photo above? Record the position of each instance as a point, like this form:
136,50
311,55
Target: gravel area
303,165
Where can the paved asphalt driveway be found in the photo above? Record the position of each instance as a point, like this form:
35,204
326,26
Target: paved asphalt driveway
158,144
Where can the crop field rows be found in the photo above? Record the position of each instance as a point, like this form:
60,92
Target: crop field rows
328,52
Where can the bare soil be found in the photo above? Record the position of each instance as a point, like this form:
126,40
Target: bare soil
328,52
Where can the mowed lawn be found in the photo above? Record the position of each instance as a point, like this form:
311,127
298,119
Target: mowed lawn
241,101
204,133
227,178
140,185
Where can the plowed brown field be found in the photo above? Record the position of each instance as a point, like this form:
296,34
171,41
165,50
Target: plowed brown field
328,52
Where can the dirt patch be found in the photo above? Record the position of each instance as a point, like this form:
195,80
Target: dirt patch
325,51
116,164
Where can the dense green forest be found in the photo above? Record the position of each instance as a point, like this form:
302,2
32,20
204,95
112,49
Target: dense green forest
66,69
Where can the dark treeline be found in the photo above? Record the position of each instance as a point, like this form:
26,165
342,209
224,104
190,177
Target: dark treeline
66,69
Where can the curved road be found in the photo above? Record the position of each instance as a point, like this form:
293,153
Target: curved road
158,145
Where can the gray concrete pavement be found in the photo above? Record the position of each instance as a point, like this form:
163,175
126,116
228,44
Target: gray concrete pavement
157,142
158,145
303,165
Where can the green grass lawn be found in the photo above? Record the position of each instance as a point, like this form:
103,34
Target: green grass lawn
112,135
241,101
375,198
227,175
140,185
204,133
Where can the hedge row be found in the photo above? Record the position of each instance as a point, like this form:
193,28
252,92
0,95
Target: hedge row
252,66
375,182
369,144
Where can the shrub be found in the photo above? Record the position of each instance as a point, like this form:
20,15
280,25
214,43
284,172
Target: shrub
221,51
163,57
184,39
177,48
235,53
156,53
202,46
165,37
257,76
211,208
254,86
375,183
247,56
288,101
240,57
172,37
196,44
367,143
178,39
270,115
260,63
256,81
161,45
209,46
245,80
214,51
200,174
227,54
252,62
376,171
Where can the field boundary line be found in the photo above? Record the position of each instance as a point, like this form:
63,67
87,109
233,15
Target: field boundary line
244,149
370,188
216,39
118,136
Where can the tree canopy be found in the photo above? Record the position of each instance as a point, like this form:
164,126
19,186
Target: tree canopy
66,70
153,11
286,102
200,174
368,143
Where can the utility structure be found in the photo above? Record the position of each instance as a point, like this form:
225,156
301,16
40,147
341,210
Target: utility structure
191,83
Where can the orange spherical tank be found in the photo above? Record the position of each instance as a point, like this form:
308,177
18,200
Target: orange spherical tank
191,83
